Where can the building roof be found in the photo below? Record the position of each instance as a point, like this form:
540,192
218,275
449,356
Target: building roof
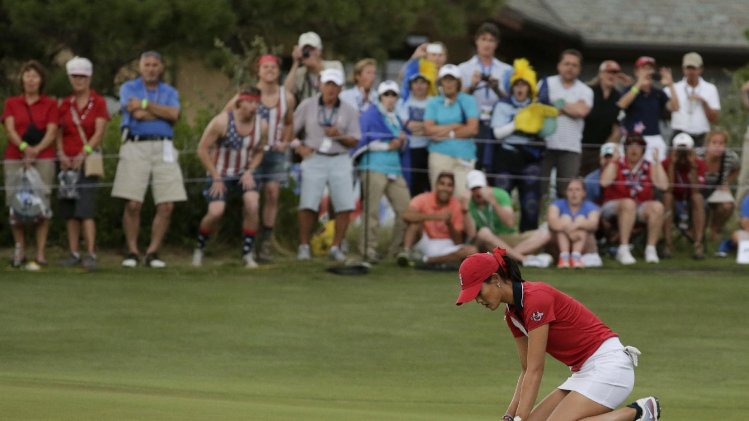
667,24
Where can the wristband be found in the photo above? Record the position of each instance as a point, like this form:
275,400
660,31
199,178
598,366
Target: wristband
23,146
88,149
144,104
452,134
635,90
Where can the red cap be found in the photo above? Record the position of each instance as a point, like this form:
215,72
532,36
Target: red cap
476,269
644,60
248,97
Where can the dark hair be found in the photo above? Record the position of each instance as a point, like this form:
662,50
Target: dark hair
35,66
447,174
250,90
571,52
487,28
510,271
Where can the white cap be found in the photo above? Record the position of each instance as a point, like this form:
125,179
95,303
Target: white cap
79,66
388,86
311,39
449,70
475,178
691,60
332,75
683,140
608,149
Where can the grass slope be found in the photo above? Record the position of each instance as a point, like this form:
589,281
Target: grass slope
290,342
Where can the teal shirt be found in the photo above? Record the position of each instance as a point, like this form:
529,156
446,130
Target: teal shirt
456,113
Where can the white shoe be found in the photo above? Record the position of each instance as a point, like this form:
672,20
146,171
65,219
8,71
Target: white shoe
624,256
303,252
32,266
336,254
592,260
545,259
249,261
532,261
651,254
197,257
651,408
153,261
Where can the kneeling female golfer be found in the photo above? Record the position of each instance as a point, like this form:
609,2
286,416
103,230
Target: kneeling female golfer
543,319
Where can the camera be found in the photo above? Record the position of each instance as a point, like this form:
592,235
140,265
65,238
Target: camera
486,78
656,76
306,51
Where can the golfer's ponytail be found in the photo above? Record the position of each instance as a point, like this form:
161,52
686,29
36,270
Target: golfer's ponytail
509,268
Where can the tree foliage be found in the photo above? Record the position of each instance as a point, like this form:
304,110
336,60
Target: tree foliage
113,32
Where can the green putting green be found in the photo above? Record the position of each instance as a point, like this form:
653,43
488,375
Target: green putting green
290,342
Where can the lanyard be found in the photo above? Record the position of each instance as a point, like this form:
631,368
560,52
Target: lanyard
323,119
486,71
77,117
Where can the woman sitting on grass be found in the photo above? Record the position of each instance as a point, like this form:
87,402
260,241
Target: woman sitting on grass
573,221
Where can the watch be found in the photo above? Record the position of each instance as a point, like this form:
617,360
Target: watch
452,134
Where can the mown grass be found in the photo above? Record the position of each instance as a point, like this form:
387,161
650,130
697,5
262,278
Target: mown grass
289,341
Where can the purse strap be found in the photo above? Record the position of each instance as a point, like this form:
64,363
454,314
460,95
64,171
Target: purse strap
31,116
77,121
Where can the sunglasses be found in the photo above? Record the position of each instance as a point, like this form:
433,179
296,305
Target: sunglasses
389,93
612,72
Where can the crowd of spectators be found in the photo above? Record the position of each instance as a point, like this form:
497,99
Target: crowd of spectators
469,157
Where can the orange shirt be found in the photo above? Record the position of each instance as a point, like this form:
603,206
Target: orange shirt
426,203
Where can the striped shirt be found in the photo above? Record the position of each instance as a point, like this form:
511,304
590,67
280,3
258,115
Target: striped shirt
275,117
234,151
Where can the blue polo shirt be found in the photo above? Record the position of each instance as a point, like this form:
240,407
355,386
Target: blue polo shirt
163,95
744,212
463,108
646,109
585,209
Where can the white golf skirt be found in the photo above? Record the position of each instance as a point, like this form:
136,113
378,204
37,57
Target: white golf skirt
607,377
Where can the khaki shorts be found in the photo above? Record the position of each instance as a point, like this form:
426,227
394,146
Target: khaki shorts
45,167
141,164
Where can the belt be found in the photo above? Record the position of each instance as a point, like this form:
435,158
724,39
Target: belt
329,154
146,138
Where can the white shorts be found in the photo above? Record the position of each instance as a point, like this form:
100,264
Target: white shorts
436,247
607,377
609,210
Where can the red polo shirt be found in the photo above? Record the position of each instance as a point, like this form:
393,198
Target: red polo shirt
72,144
43,111
634,183
575,333
426,203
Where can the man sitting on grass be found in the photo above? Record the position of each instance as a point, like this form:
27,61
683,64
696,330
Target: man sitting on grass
436,230
742,234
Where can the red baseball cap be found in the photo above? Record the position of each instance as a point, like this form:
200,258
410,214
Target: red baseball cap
644,60
474,270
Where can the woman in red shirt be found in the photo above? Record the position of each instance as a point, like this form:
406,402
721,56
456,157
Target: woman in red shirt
30,121
543,319
83,121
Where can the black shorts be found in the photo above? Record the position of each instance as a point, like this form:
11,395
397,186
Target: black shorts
84,207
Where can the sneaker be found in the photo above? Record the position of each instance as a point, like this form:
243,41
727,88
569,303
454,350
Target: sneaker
32,266
303,252
265,252
72,260
532,261
651,408
545,259
336,254
249,261
576,261
624,256
651,255
197,257
563,262
591,260
131,260
89,262
18,257
725,248
153,261
403,259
